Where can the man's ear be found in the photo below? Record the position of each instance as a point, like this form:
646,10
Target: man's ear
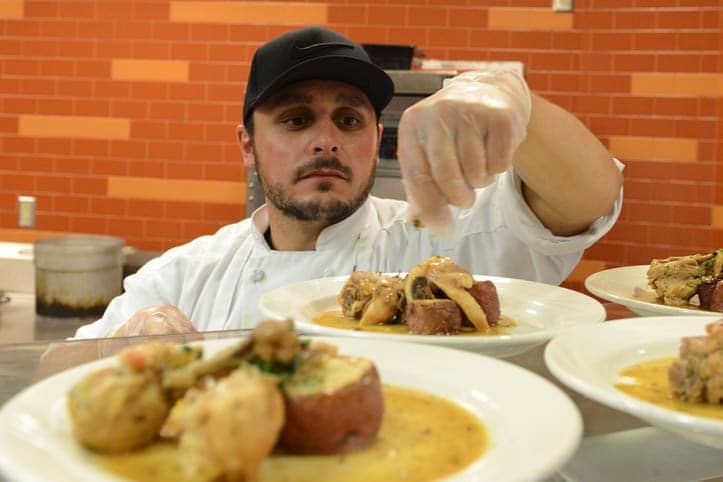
380,131
246,142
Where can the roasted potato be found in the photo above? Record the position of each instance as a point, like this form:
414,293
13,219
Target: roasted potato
334,404
115,409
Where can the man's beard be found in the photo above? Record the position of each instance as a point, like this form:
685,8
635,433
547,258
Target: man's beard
330,212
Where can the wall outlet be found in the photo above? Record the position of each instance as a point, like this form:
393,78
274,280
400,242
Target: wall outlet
26,211
562,5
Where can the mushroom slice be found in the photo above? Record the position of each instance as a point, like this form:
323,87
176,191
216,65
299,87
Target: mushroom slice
386,302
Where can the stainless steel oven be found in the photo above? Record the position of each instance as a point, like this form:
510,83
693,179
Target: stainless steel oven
410,86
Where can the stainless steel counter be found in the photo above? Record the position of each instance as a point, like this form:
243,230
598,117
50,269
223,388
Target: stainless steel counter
20,324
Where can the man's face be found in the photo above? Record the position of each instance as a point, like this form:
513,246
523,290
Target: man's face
315,149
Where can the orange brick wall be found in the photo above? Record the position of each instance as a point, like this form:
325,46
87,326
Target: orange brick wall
119,116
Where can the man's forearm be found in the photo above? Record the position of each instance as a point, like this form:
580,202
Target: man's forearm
569,178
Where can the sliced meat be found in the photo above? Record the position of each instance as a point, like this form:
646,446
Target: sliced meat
454,281
716,302
485,293
433,317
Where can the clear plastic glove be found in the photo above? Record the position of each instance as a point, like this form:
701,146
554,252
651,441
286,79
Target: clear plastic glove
155,320
457,140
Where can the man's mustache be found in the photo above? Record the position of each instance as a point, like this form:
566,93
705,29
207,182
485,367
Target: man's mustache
323,162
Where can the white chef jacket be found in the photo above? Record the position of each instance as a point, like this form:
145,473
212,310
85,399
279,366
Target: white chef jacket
217,280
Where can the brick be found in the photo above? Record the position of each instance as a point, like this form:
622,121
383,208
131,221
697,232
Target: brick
223,171
18,105
187,91
184,170
248,12
41,9
679,19
113,207
71,204
57,68
129,108
223,212
53,106
189,51
149,90
89,185
71,165
90,147
148,130
428,16
175,32
183,210
165,150
633,105
203,152
108,167
449,37
532,40
99,108
59,29
34,164
89,224
52,222
185,131
528,19
152,168
353,14
209,32
148,10
151,51
489,38
52,184
167,110
251,33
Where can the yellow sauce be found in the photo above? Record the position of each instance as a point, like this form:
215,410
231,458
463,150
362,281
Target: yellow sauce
648,381
423,437
335,319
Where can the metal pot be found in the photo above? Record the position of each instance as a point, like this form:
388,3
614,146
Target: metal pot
77,275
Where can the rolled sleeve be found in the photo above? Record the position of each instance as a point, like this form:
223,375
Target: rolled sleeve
527,227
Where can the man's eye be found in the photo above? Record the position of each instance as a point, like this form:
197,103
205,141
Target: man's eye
349,122
295,122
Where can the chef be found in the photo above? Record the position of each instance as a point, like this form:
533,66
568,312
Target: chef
497,178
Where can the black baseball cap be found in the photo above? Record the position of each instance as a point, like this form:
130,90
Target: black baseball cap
314,53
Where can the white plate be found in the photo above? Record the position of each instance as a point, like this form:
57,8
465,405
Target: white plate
589,360
540,310
626,285
519,409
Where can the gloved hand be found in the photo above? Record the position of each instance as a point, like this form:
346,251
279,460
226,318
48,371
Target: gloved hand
458,139
155,320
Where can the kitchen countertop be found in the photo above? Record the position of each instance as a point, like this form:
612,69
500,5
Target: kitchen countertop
20,324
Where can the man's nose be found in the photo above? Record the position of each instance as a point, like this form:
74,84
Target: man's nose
327,137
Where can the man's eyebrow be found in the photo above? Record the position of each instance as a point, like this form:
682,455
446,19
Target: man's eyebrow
289,98
352,100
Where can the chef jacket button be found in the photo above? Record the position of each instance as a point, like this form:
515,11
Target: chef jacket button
257,275
328,272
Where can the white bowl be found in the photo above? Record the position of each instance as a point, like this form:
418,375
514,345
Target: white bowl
519,409
539,310
589,360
